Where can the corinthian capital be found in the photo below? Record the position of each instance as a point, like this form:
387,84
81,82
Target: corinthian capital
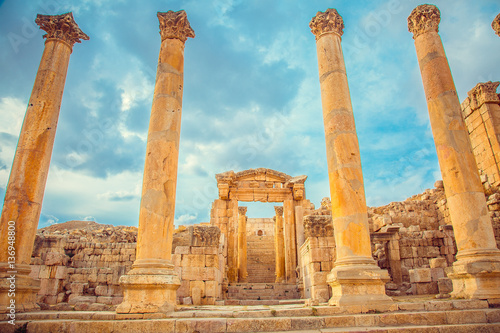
483,93
242,210
329,21
175,25
424,18
278,210
496,25
61,27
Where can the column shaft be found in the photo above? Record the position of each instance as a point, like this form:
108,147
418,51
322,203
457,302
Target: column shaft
355,279
26,186
464,191
242,245
151,284
279,245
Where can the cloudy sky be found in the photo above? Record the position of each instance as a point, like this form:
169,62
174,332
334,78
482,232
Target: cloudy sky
251,97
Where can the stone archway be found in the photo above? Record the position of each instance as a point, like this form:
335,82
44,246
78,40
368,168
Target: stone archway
262,185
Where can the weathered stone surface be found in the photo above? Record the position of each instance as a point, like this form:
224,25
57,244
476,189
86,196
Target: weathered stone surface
464,190
26,186
348,200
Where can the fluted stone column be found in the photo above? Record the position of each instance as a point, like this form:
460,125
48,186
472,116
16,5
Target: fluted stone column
279,245
242,245
356,279
496,25
476,273
26,186
151,284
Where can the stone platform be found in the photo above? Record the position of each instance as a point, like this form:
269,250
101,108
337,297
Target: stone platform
414,315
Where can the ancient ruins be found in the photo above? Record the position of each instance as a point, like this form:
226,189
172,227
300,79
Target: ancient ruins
429,262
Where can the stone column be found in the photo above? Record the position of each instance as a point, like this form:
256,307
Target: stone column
279,245
289,240
242,245
151,284
26,186
356,279
476,273
496,25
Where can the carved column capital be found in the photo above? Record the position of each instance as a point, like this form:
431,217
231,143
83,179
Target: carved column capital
328,21
424,18
496,25
61,27
278,210
175,25
483,93
242,210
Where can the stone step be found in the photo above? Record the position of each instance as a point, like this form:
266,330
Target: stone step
258,320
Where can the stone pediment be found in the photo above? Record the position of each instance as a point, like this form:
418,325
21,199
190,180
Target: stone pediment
259,174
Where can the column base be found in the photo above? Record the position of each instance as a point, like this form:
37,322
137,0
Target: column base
148,290
358,285
476,277
18,291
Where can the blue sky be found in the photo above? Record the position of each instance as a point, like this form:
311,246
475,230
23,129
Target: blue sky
251,97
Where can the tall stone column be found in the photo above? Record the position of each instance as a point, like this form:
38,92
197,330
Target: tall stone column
356,279
242,245
26,186
496,25
476,273
279,245
151,284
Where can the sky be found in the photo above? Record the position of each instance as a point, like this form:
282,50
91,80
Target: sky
251,97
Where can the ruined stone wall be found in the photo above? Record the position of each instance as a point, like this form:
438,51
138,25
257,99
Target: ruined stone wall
261,254
317,257
80,268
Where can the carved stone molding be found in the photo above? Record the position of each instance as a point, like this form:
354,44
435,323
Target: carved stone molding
175,25
205,236
328,21
496,25
61,27
483,93
278,210
424,18
318,226
242,210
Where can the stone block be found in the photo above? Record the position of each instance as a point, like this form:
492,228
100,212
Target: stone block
445,285
193,260
101,290
438,263
211,289
420,275
212,260
426,288
44,272
55,258
182,250
196,296
200,285
437,273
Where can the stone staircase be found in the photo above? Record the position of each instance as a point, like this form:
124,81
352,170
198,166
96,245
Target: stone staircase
261,293
441,316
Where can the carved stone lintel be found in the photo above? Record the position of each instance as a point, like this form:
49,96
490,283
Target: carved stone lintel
483,93
242,210
328,21
175,25
424,18
496,25
278,210
61,27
